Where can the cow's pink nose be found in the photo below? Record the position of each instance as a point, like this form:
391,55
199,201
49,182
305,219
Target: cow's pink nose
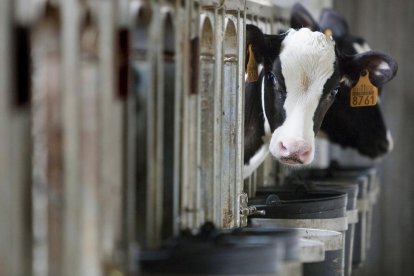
296,150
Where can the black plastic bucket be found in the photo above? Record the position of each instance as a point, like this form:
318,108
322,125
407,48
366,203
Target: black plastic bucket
333,246
373,188
313,241
363,203
215,253
311,251
348,187
300,208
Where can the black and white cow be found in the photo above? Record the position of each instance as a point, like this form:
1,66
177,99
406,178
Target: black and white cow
300,77
296,86
361,128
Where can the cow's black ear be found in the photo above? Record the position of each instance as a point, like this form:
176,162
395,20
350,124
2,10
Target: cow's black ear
264,47
301,18
381,67
273,44
256,39
333,20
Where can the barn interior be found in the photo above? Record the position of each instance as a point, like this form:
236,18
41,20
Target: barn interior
123,136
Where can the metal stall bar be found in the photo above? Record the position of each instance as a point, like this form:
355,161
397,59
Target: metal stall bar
218,38
6,197
178,109
15,163
207,103
157,196
131,142
70,108
212,161
229,120
169,119
110,109
46,134
154,120
140,121
89,148
8,252
136,134
157,96
190,189
21,150
241,23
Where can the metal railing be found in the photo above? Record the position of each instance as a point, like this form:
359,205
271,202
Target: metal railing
127,128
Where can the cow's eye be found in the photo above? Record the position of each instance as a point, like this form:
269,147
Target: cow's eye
271,78
334,91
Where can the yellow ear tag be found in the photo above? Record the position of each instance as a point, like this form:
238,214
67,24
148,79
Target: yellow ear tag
252,70
328,32
364,93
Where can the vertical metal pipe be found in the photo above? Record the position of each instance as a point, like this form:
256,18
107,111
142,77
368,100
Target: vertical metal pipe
70,109
190,207
168,124
178,96
111,110
218,76
240,112
15,238
206,105
89,148
229,121
46,134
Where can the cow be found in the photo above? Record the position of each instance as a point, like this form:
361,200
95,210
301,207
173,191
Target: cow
300,76
360,128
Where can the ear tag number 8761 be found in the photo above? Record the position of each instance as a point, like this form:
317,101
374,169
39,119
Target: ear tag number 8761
364,93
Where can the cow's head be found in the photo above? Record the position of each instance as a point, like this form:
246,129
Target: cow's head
302,73
361,128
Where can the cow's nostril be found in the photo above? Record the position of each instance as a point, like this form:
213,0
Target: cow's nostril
282,147
305,153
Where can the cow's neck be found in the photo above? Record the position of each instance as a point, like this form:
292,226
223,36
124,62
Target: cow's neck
254,120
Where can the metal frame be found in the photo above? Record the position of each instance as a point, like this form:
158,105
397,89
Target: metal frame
123,183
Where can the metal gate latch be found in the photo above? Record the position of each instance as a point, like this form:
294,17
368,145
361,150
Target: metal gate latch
246,210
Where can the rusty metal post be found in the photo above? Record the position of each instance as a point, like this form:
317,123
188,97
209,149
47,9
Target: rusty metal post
229,120
207,103
46,134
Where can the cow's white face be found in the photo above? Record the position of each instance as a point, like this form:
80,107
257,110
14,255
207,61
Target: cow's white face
307,61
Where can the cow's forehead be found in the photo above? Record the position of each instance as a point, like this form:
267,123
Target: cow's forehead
304,38
307,61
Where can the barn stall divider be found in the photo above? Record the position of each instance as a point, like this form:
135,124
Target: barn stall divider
122,125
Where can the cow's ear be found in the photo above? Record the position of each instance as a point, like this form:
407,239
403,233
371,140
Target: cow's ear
273,44
334,21
264,48
381,67
301,18
255,43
